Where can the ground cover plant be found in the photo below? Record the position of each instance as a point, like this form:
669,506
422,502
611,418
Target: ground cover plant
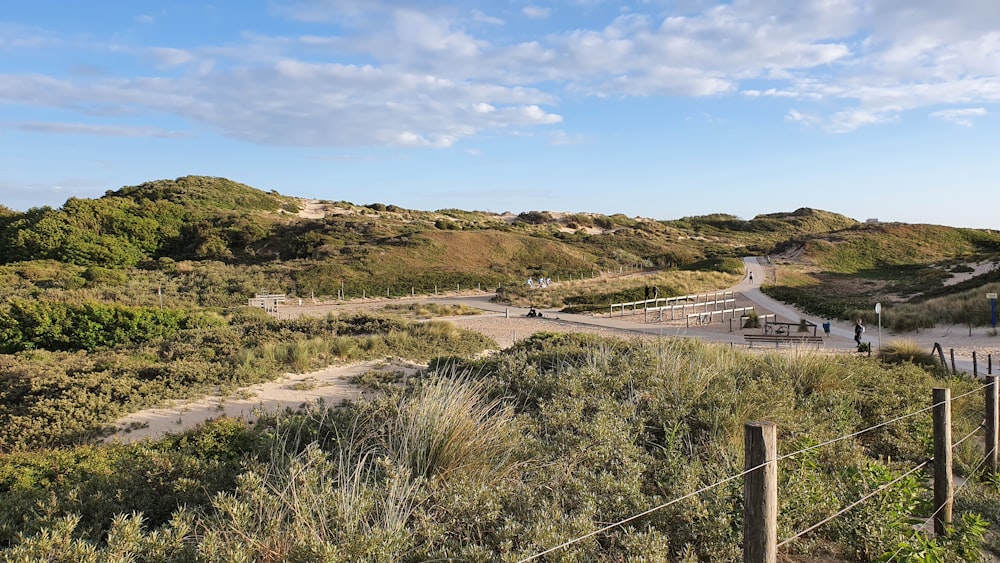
54,397
904,267
504,457
137,297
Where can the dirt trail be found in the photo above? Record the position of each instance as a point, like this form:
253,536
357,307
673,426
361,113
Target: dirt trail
506,325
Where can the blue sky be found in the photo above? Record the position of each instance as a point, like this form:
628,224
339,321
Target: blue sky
653,108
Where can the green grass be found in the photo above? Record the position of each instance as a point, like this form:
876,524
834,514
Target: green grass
430,310
552,439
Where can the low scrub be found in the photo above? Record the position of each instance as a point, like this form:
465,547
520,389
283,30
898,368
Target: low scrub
552,440
57,398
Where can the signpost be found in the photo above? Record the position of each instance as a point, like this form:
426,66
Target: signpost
993,308
878,311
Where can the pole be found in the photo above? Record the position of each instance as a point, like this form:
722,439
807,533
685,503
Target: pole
992,422
944,493
760,493
878,311
953,370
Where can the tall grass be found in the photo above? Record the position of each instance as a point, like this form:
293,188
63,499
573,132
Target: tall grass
554,438
450,426
906,350
968,308
352,495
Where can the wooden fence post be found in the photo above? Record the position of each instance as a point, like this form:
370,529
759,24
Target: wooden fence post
760,493
975,366
943,486
992,422
953,370
937,348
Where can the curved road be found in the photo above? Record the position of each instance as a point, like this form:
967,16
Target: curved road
757,269
842,337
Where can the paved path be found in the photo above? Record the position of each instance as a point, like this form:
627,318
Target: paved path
841,338
332,383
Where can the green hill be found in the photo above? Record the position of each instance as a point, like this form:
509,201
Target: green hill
218,238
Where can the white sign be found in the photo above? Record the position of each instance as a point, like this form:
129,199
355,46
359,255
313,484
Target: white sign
991,295
878,308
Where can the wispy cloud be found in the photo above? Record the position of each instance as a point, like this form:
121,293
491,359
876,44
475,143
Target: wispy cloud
536,12
959,116
100,130
559,138
417,73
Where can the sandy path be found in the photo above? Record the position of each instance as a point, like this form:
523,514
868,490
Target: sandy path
331,385
505,325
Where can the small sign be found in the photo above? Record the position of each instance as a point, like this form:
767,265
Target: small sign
991,295
878,308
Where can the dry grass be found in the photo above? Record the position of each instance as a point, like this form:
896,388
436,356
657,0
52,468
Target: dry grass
450,426
906,350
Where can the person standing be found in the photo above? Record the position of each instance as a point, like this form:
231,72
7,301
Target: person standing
751,277
859,329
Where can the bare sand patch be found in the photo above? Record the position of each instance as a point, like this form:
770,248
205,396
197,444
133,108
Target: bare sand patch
331,385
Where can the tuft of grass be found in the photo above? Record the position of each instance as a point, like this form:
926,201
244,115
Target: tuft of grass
431,310
450,426
906,350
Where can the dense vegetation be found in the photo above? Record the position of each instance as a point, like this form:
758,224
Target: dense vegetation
50,397
506,457
161,226
842,274
138,297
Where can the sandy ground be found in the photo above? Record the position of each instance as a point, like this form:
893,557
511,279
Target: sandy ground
331,385
506,325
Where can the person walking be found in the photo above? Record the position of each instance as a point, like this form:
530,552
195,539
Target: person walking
859,329
751,277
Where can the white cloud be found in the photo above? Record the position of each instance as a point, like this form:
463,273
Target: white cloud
536,12
796,116
422,73
849,120
562,138
100,130
482,17
166,56
144,19
959,116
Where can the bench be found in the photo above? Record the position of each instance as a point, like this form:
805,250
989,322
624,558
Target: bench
786,338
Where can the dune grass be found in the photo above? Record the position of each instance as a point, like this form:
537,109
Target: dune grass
906,350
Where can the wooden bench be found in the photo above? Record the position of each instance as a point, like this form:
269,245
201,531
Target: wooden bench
778,339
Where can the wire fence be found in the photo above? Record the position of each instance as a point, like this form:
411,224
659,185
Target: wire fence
882,488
